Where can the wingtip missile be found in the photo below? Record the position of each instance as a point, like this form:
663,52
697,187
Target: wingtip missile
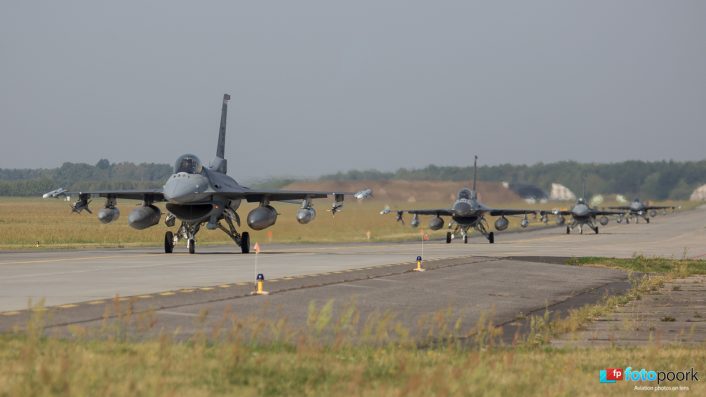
55,193
364,194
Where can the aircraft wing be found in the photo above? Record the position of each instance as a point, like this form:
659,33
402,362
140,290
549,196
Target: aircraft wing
659,207
621,207
152,195
438,211
604,212
555,212
501,212
279,195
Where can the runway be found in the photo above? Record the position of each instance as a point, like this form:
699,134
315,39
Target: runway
77,283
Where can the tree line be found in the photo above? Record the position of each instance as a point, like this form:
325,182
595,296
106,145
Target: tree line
83,177
657,180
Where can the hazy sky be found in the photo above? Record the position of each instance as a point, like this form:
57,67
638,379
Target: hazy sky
323,86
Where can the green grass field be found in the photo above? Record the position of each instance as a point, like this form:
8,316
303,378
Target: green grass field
26,221
237,360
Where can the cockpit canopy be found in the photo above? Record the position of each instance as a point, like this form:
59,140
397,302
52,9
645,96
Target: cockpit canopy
188,163
465,194
581,201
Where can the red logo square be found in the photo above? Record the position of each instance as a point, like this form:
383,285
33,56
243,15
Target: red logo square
614,373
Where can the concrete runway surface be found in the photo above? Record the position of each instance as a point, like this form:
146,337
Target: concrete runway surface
515,275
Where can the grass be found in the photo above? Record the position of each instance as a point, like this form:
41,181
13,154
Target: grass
26,221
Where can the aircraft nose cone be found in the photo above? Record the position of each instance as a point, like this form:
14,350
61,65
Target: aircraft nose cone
580,210
184,188
463,209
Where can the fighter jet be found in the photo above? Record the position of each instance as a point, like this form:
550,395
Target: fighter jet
637,209
197,195
467,213
582,214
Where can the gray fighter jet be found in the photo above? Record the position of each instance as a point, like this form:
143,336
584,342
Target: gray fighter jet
637,209
197,195
466,213
582,214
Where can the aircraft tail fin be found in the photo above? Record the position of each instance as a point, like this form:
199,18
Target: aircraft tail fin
475,172
220,151
220,164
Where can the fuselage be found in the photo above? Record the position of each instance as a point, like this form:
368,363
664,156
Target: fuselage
467,211
189,192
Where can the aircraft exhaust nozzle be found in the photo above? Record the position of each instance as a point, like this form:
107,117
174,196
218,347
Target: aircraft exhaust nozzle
501,223
436,223
262,217
306,215
144,217
107,215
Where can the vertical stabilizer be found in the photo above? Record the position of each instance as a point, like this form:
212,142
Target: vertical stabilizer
220,164
220,151
475,172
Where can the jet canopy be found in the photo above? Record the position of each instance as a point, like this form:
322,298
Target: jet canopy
466,194
188,163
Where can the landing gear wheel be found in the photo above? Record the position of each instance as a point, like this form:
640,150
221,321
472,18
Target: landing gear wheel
465,239
192,246
568,230
491,238
168,242
648,220
596,229
448,237
245,243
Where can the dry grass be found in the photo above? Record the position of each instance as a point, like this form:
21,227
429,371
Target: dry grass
26,221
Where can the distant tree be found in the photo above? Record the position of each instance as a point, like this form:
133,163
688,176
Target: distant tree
103,164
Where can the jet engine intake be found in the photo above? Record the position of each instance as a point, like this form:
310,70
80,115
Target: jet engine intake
436,223
144,217
603,220
262,217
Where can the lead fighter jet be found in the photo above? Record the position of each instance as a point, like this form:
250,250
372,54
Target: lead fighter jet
466,213
197,195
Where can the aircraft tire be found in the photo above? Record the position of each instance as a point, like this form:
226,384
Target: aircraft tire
491,238
596,229
568,230
168,242
648,220
465,239
448,237
245,243
192,246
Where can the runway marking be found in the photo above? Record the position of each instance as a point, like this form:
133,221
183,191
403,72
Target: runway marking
96,302
186,291
355,285
224,286
241,284
168,293
85,258
144,296
177,313
12,313
206,288
68,306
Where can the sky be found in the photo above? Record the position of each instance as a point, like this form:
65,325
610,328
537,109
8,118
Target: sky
324,86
